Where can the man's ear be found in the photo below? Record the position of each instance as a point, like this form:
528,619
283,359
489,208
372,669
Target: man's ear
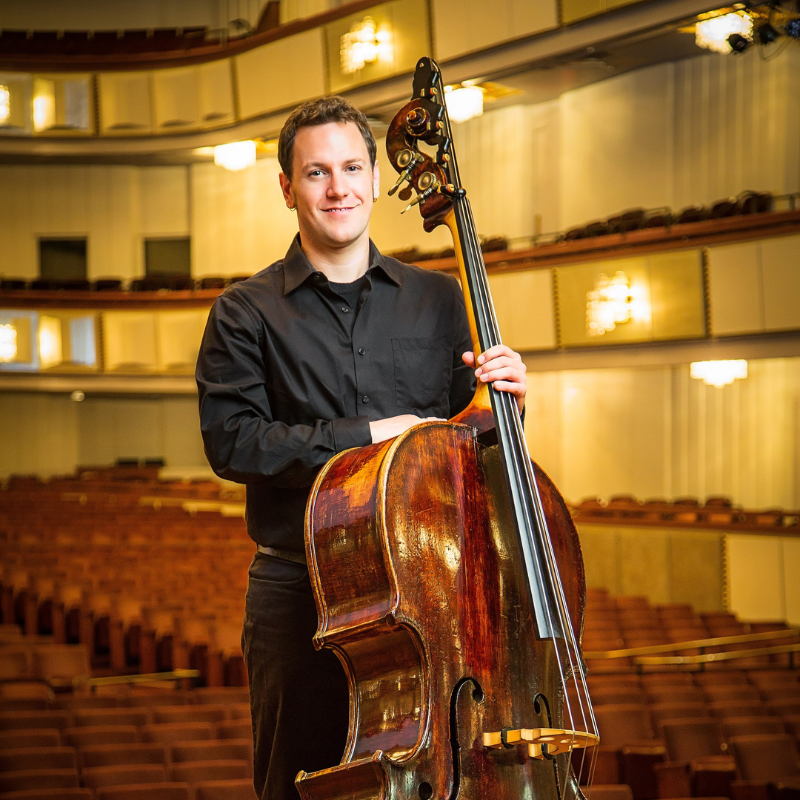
376,182
288,193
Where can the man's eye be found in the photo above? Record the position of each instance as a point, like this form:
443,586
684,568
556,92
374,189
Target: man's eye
314,173
353,168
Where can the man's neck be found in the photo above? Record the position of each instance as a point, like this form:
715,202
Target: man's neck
343,265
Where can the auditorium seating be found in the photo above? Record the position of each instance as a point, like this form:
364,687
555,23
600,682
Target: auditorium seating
70,610
672,736
129,614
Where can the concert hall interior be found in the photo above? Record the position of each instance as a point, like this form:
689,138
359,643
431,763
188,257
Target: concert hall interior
634,171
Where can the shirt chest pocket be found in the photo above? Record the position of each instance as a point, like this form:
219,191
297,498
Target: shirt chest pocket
422,372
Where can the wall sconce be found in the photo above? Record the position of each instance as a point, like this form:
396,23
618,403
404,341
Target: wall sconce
609,304
718,373
463,103
364,44
5,104
713,33
235,156
8,343
49,340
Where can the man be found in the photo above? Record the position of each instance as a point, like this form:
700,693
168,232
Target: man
333,347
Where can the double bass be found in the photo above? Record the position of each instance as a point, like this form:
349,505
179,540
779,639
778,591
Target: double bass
446,569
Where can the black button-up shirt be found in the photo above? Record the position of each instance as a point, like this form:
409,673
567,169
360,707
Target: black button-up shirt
291,373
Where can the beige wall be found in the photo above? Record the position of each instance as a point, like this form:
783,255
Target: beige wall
673,134
52,435
657,432
115,207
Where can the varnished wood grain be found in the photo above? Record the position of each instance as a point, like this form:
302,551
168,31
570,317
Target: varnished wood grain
432,528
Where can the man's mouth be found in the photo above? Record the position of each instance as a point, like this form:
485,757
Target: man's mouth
337,210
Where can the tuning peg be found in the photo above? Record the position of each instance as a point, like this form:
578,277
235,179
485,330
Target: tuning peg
408,160
420,198
405,194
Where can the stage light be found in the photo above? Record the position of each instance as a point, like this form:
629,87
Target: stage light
77,396
792,28
236,155
718,373
738,43
766,33
463,103
716,32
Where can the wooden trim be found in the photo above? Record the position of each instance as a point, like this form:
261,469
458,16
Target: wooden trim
178,58
694,644
107,301
690,235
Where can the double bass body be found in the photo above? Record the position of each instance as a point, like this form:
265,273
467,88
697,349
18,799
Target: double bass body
420,592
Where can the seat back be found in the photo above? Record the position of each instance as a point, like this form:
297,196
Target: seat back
687,739
766,757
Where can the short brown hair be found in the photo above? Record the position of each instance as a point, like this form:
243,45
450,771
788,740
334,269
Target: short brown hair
320,112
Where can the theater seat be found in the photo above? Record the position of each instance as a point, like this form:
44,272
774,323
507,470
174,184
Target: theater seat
100,734
176,732
37,737
200,713
50,794
234,729
108,755
18,780
97,777
111,716
222,770
766,757
147,791
16,720
213,749
608,791
38,758
242,789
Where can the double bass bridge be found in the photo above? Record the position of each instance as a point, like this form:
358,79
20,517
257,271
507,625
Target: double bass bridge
542,743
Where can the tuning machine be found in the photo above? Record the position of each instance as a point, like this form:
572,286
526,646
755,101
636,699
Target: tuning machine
407,160
429,184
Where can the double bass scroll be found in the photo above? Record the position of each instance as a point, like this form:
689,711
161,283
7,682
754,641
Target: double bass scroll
447,573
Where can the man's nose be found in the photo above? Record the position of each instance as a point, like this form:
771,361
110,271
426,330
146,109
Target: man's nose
338,186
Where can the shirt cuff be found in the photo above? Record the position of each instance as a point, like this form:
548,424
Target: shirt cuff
351,432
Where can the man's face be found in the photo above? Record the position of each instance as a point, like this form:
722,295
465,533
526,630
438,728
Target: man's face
333,185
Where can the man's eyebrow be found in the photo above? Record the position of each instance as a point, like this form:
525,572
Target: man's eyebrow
324,165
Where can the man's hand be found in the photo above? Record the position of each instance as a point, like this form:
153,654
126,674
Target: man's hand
390,427
503,368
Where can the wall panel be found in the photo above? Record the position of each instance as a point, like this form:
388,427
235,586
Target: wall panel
464,26
656,432
273,77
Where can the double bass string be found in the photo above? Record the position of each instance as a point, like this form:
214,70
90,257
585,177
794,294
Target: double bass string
525,480
522,481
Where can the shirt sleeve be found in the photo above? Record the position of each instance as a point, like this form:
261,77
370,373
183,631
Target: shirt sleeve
243,442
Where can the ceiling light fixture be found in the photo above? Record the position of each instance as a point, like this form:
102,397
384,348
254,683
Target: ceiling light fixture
463,103
719,373
235,156
716,32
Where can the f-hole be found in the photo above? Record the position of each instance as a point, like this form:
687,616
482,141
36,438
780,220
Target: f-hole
477,696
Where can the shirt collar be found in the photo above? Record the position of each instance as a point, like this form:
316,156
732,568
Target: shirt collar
297,268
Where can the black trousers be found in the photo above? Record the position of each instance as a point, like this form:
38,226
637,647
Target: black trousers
298,696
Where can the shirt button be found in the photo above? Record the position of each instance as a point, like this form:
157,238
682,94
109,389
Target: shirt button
361,351
318,276
365,399
345,310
